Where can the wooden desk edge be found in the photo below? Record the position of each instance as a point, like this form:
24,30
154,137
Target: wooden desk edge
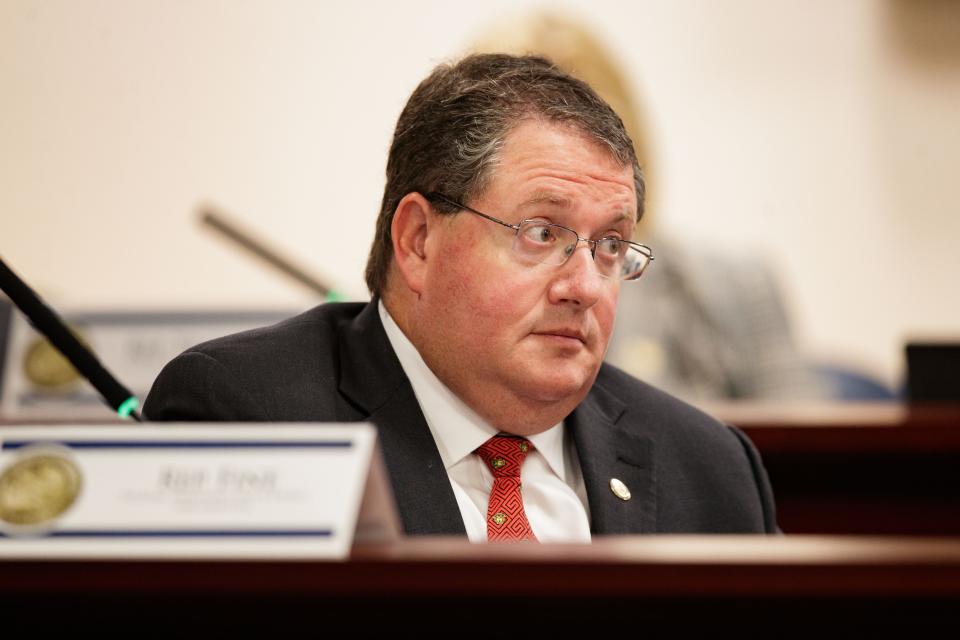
628,567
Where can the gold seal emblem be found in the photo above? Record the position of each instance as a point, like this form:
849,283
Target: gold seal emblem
38,487
45,367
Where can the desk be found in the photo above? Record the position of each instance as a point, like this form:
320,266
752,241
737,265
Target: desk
782,584
858,469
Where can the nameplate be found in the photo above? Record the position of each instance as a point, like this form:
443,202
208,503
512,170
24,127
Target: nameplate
37,383
246,491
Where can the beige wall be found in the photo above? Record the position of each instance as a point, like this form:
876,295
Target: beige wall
824,134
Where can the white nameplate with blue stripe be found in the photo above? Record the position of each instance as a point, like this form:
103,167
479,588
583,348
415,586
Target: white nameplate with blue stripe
190,491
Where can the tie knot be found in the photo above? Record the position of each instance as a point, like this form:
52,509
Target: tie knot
504,454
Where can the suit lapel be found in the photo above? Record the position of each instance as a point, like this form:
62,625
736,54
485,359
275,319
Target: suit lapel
607,451
374,388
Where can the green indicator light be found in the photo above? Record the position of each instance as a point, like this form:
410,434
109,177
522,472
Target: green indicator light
333,296
129,406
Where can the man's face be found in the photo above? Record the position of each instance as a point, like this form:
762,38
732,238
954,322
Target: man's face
517,341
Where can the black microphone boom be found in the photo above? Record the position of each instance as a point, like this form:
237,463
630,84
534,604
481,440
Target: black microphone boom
46,321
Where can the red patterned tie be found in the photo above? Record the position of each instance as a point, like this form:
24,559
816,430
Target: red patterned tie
506,519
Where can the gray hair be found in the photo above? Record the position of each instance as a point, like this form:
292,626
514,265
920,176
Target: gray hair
450,133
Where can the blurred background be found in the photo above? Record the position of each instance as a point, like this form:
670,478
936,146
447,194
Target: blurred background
810,147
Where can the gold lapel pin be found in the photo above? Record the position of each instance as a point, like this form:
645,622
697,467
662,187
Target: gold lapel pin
619,489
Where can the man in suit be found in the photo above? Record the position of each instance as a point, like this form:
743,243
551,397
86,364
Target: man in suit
501,246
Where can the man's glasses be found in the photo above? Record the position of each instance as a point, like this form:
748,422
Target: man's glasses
537,241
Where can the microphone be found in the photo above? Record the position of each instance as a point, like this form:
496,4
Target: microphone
228,229
46,321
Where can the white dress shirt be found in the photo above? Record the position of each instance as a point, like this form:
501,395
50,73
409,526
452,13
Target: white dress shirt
554,494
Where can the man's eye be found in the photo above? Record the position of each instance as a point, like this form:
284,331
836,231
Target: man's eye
609,246
540,234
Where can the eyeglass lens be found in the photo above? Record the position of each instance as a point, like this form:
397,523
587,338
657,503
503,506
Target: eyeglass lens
552,244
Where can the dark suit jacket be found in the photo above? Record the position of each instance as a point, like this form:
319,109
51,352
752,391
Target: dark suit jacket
687,472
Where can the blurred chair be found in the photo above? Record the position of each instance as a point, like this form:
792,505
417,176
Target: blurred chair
847,384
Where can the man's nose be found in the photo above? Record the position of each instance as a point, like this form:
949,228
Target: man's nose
578,281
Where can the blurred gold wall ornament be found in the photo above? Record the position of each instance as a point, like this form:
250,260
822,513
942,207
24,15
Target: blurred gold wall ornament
578,51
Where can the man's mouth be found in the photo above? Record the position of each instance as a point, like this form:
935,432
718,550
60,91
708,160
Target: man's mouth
562,332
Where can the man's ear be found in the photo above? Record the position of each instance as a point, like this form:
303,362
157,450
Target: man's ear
410,228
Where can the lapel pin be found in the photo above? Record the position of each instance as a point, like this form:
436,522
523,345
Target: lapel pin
619,489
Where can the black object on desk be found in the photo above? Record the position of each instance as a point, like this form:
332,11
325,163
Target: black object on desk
933,371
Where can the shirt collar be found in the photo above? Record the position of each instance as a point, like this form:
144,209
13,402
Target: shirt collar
457,429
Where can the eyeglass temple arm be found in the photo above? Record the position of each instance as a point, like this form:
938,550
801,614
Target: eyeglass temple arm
434,195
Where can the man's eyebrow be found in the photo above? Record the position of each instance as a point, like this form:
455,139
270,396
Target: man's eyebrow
562,202
546,197
627,215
